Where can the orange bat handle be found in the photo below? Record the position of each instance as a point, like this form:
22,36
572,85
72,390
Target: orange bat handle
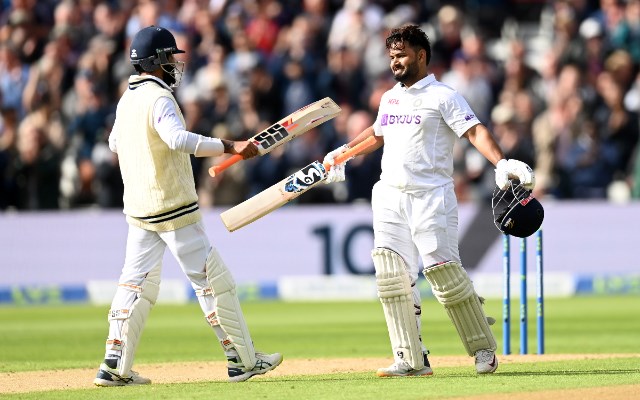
216,169
351,152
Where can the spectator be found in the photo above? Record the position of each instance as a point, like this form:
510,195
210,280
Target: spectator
108,186
353,24
586,166
14,75
591,50
232,186
49,78
468,79
298,90
363,172
617,127
254,62
261,28
343,79
448,40
8,135
86,129
36,169
242,58
626,35
553,134
619,65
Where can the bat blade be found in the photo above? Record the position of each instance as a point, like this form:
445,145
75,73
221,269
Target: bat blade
288,128
284,191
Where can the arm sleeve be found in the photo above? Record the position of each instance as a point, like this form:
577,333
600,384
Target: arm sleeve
457,113
172,131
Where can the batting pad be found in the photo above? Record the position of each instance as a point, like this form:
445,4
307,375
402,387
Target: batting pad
396,296
453,289
228,313
135,318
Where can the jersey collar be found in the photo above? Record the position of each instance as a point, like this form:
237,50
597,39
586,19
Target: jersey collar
137,80
421,84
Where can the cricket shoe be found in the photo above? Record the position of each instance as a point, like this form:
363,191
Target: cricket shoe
108,376
486,361
403,368
264,364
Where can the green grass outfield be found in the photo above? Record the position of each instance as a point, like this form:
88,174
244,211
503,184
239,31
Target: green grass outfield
52,338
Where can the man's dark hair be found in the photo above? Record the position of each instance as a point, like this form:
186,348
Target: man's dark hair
411,35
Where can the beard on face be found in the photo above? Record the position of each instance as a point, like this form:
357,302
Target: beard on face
408,74
168,78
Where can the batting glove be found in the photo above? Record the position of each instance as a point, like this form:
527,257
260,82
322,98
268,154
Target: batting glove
337,172
514,169
523,172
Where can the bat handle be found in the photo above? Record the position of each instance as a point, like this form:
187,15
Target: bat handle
216,169
352,152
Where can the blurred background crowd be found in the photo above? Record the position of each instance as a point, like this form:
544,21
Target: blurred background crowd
557,82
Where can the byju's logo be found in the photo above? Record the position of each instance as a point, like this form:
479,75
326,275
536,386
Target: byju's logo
400,119
469,117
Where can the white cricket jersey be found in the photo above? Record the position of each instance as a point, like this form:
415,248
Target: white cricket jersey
420,125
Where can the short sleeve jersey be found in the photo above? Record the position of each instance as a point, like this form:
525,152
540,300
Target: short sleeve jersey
420,125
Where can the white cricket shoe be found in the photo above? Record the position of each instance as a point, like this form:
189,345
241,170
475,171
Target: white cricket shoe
264,364
486,361
108,376
404,369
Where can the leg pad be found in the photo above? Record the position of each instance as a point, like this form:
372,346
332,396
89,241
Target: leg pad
227,312
453,289
396,296
134,319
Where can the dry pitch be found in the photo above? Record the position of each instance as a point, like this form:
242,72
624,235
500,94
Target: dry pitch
33,381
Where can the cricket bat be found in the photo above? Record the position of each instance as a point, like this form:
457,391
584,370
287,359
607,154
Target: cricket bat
289,127
284,191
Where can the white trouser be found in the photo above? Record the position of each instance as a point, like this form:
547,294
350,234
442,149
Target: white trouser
422,226
144,253
145,250
419,227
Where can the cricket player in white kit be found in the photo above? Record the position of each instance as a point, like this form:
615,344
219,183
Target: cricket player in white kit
161,208
415,214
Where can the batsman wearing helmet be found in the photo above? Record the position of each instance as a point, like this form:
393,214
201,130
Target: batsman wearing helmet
415,212
161,208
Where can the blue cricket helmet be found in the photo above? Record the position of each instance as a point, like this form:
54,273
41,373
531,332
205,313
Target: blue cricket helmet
150,48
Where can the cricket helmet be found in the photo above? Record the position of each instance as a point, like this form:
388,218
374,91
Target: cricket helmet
515,211
150,50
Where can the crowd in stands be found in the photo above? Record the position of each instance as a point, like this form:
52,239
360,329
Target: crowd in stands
557,82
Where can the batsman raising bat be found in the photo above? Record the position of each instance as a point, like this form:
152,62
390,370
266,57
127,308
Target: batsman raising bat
161,208
288,128
288,189
415,212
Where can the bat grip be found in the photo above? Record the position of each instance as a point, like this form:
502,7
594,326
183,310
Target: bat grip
216,169
351,152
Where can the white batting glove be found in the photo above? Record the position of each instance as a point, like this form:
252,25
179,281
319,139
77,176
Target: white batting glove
502,174
514,169
337,172
523,172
